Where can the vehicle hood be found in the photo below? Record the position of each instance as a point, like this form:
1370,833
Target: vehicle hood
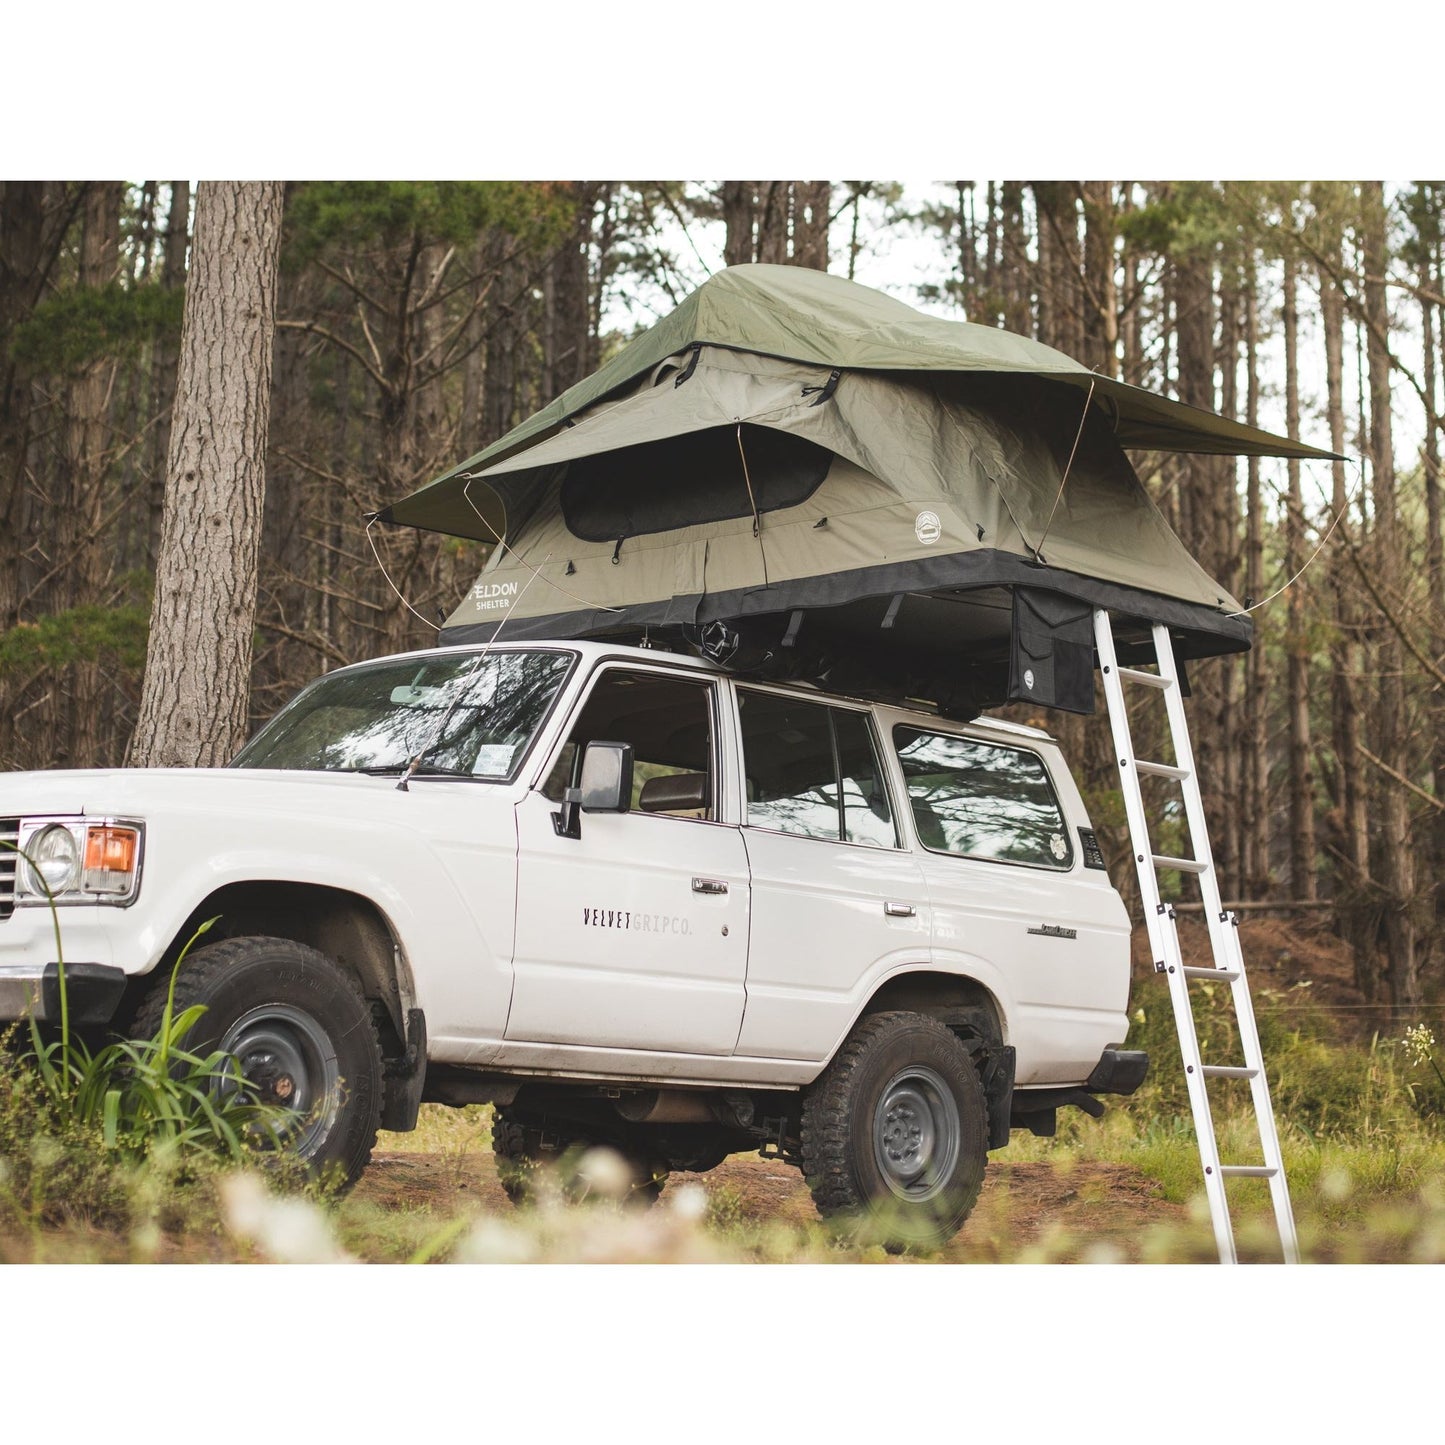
146,792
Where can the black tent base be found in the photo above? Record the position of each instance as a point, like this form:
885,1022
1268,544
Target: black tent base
961,650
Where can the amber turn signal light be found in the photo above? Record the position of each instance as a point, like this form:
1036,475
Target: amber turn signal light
110,850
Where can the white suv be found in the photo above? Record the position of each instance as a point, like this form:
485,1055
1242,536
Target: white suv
623,895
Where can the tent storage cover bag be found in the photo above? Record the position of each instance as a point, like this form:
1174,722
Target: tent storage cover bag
843,486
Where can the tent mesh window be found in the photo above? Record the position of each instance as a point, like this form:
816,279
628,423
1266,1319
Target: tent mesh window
688,480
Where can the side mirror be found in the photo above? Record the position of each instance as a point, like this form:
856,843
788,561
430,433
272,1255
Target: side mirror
606,787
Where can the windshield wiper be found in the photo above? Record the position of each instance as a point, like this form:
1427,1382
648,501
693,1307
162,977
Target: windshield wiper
383,770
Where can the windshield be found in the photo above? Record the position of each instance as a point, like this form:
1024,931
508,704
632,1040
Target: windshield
469,714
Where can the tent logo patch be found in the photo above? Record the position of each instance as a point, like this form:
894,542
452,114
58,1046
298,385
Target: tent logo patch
927,528
1029,679
490,595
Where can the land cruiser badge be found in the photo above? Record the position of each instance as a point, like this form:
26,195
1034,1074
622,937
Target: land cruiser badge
927,528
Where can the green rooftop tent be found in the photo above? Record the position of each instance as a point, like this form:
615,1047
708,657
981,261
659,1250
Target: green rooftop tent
808,478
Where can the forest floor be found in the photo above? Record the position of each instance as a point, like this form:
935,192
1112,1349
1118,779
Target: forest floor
1090,1195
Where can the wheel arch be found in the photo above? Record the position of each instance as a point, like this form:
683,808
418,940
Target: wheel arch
347,927
965,1005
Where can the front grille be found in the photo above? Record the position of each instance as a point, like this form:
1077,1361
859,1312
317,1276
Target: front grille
9,858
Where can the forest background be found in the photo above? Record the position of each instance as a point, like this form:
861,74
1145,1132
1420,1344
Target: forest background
418,321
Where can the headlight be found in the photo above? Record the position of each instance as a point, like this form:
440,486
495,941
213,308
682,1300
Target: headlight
79,860
54,854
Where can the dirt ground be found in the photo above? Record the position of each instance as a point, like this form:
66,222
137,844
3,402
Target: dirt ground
1040,1210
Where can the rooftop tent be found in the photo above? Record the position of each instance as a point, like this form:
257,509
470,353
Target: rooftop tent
812,479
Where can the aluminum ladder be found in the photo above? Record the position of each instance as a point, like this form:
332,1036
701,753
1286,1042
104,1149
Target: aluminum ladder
1159,917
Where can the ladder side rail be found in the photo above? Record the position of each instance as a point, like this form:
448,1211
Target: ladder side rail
1264,1109
1164,940
1154,919
1225,945
1221,939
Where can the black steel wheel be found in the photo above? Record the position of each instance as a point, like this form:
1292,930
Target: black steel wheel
302,1035
895,1133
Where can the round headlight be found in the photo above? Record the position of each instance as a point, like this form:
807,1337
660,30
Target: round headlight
55,856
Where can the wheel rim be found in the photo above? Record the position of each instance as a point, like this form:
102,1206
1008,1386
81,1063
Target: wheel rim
289,1061
916,1133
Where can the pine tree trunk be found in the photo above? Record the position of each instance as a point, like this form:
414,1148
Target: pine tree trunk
1348,821
1396,873
1254,839
1301,757
22,237
193,708
738,222
173,277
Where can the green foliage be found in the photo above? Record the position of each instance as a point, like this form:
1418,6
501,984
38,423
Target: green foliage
66,332
1180,219
395,213
79,634
79,1127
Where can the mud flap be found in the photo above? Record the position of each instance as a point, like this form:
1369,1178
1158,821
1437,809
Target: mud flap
405,1078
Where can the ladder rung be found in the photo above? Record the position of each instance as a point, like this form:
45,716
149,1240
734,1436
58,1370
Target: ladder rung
1227,1071
1149,679
1184,865
1247,1171
1161,770
1224,975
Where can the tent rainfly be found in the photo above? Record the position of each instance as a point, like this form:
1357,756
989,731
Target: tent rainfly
806,478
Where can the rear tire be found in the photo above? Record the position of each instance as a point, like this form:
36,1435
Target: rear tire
302,1034
895,1133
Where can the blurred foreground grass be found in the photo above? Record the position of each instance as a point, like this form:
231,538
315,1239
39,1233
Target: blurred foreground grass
1361,1125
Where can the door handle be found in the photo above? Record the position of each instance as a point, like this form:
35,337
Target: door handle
709,885
899,910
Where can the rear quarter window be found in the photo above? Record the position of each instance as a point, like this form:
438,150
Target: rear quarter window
982,800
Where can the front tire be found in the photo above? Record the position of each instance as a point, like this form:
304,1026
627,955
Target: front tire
301,1033
895,1133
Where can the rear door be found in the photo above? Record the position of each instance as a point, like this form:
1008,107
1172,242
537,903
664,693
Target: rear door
836,901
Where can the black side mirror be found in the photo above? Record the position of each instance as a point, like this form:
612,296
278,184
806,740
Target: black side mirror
606,787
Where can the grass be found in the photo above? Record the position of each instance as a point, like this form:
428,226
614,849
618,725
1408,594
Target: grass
1362,1125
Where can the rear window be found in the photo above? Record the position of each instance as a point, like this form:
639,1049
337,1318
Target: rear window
812,770
982,800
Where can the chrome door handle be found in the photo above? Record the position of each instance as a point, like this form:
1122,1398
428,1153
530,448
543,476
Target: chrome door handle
709,885
899,910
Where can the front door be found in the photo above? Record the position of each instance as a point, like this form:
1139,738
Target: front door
635,935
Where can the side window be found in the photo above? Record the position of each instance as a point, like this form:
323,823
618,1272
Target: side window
813,770
982,800
668,721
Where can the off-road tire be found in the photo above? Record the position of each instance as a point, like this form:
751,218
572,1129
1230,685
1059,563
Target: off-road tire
856,1152
522,1147
280,1001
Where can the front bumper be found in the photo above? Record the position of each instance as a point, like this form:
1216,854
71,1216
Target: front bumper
93,992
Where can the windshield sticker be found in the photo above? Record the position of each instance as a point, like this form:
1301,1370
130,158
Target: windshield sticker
1058,847
495,758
